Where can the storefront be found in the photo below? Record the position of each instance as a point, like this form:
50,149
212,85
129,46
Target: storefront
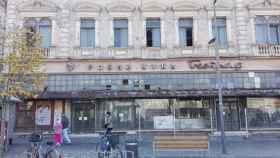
180,114
162,101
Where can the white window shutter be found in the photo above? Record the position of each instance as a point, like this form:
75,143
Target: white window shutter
54,34
130,34
77,36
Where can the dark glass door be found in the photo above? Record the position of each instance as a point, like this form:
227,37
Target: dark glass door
231,116
83,117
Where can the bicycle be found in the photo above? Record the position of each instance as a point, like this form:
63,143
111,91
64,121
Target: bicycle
37,150
106,148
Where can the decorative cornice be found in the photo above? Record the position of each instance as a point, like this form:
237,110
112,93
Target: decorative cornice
263,4
154,7
86,6
121,6
186,5
38,6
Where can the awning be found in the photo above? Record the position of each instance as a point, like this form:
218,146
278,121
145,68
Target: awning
161,94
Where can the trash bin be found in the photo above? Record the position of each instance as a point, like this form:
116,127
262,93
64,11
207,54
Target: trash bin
131,148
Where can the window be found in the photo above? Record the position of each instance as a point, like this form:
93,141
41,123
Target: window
43,27
153,32
87,33
30,25
45,32
121,33
186,32
268,30
221,32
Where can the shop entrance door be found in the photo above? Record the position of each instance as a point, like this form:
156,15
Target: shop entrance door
231,116
83,114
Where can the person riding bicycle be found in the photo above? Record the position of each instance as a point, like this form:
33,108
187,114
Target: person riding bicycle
108,123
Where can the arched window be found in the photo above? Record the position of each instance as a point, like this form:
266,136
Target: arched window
39,25
30,24
45,32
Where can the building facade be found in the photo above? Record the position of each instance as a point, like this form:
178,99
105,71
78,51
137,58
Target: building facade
149,63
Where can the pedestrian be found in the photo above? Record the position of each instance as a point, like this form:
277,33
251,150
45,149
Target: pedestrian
65,129
108,123
58,132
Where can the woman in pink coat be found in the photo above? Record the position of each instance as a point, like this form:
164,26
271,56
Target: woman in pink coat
58,132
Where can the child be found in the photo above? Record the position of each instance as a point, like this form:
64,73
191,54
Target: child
58,131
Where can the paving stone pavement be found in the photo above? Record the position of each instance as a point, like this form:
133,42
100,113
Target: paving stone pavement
257,146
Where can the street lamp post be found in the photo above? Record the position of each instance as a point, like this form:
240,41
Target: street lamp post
219,81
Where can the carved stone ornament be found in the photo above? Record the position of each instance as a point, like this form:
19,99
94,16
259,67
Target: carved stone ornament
70,66
197,64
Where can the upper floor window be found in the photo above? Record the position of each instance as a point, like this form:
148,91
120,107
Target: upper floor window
87,33
267,30
120,33
153,32
45,32
43,27
186,32
221,36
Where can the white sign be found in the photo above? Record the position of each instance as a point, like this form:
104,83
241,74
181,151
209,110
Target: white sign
43,116
57,118
163,122
257,82
251,74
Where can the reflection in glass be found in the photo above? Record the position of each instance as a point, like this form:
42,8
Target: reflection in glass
263,112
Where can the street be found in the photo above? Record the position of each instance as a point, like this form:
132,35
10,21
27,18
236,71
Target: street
256,146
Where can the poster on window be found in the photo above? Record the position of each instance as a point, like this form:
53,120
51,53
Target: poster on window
43,116
163,122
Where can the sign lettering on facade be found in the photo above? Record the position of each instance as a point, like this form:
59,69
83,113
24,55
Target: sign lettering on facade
197,64
148,66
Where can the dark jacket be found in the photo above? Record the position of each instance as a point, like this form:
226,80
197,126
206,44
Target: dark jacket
64,122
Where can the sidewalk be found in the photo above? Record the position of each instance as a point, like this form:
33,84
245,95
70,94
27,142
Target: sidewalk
256,146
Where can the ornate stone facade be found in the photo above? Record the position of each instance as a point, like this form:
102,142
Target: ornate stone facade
65,16
168,71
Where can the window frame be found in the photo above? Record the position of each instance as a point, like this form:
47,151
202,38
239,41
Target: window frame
152,29
120,29
268,24
225,27
186,27
88,28
49,25
35,23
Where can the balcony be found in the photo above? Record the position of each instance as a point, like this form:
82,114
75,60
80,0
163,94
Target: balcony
132,52
267,50
49,52
104,53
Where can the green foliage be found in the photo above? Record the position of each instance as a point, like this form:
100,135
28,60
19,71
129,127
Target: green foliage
22,76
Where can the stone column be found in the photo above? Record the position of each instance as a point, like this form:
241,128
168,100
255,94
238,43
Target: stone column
105,30
65,41
170,29
11,18
242,20
137,31
203,27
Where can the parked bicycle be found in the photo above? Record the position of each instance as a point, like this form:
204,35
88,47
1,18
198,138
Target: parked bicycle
107,148
38,151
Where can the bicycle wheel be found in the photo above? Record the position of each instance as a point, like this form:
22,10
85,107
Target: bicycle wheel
116,152
33,154
100,153
53,153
